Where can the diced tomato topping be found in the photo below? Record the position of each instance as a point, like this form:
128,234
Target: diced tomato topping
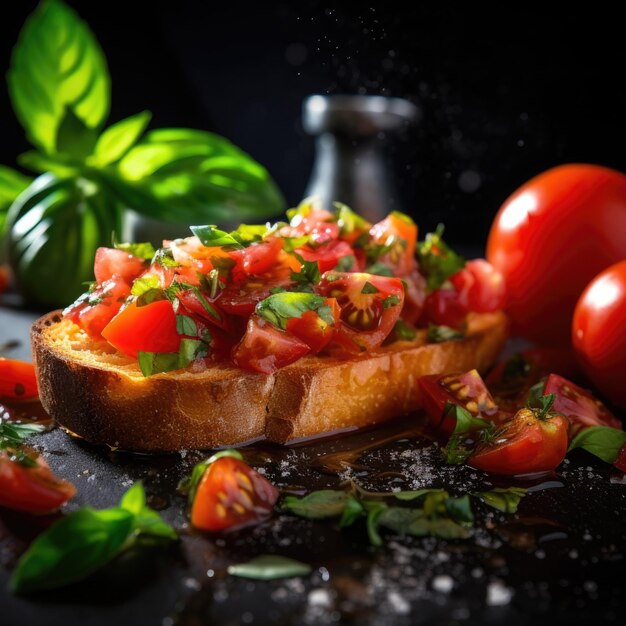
17,380
443,307
313,330
258,258
398,233
327,255
480,286
110,262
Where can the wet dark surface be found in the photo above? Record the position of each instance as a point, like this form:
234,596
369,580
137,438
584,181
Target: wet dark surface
559,560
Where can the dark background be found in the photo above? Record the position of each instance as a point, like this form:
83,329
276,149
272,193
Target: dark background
505,93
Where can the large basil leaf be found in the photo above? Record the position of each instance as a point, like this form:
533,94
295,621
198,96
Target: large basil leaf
55,227
12,184
118,138
57,65
195,176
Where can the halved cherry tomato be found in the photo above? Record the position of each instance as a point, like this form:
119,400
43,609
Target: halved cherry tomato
578,404
370,307
398,232
444,307
467,390
264,348
110,262
31,489
95,309
523,445
327,255
258,258
231,495
480,286
17,379
313,330
510,380
149,328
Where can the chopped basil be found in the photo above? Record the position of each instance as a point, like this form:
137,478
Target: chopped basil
368,288
455,452
246,234
317,505
165,258
211,236
403,332
150,296
279,308
309,273
144,284
414,495
437,260
152,363
439,334
13,434
186,325
352,511
345,264
270,567
206,305
379,269
505,500
143,251
602,441
390,301
465,421
349,221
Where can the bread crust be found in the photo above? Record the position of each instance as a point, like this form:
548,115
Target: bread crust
103,397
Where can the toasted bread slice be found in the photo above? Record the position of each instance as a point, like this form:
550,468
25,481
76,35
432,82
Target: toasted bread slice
100,395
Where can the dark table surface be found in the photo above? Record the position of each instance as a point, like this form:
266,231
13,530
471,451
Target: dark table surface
559,560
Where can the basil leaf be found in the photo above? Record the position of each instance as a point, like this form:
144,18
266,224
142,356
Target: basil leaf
379,269
349,221
345,263
151,363
279,308
206,304
455,452
413,495
13,434
57,65
390,301
190,175
353,509
270,567
309,274
403,332
12,184
374,512
246,234
146,521
460,510
186,325
437,261
542,406
145,284
72,548
55,227
535,393
465,421
119,138
317,505
368,288
439,334
602,441
134,500
505,500
212,236
74,138
143,250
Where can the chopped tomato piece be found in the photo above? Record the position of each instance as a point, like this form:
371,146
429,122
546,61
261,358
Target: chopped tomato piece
96,308
231,495
398,234
5,278
579,405
370,306
523,445
258,258
200,304
149,328
327,255
315,222
444,307
467,390
414,296
480,286
264,348
312,329
17,379
111,262
32,488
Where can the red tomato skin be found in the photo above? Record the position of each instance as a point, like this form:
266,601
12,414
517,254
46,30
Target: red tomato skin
550,238
599,332
314,331
18,380
480,286
402,259
32,489
265,349
231,495
578,404
444,307
620,461
524,445
326,255
110,262
258,258
149,328
5,278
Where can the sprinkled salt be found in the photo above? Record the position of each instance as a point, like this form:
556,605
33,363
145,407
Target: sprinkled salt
443,583
498,594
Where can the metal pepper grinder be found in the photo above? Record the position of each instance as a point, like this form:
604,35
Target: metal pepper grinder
352,164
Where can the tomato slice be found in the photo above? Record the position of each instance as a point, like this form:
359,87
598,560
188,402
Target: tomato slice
523,445
110,262
31,489
258,258
398,233
327,255
370,306
95,309
17,379
231,495
578,405
480,286
264,348
467,390
312,329
149,328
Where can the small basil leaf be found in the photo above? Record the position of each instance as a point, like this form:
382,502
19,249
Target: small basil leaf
210,236
144,250
317,505
390,301
186,325
348,221
345,263
368,288
151,363
374,512
437,261
413,495
134,500
438,334
309,274
270,567
403,332
465,421
13,435
119,138
505,500
279,308
145,284
353,509
379,269
460,510
602,441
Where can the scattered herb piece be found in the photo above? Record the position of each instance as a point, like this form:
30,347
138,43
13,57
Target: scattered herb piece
438,334
465,421
353,510
368,288
414,495
456,452
390,301
437,260
345,263
144,284
505,500
270,567
279,308
317,505
602,441
308,275
152,363
379,269
403,331
144,251
210,236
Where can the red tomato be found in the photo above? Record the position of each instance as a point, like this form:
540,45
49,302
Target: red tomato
577,404
231,495
94,310
370,307
511,380
480,286
31,489
599,335
201,305
444,307
5,278
264,348
467,390
149,328
327,255
258,258
17,379
523,445
620,461
399,232
315,222
313,330
414,296
111,262
550,238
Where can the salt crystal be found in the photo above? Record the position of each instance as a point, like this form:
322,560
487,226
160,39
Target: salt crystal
498,594
443,583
